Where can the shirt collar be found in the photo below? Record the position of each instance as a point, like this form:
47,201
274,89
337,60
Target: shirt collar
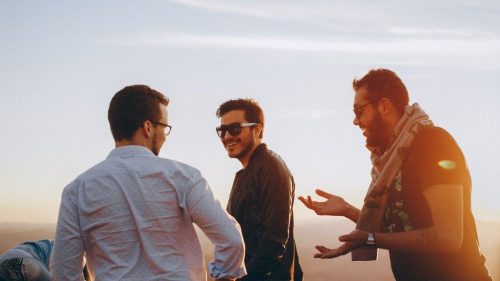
259,150
130,151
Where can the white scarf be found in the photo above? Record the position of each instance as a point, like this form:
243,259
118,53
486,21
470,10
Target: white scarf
385,168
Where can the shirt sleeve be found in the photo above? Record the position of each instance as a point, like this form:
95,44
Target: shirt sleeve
276,185
222,230
67,255
438,159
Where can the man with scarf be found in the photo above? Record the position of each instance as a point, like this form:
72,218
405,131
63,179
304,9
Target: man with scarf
418,202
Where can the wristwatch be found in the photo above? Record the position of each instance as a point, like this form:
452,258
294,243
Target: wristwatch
371,239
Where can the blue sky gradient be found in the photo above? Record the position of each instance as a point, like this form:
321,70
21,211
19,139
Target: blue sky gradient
61,62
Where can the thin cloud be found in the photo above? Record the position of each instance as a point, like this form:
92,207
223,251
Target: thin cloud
244,9
439,32
436,46
304,114
269,10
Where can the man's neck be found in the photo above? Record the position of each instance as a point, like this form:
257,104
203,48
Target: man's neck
391,126
126,142
245,160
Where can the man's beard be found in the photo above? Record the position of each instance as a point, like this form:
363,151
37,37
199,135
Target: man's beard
378,134
249,144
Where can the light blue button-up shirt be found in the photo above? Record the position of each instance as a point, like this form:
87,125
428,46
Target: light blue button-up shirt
132,217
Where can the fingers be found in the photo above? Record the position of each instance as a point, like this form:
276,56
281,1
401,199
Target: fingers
322,250
333,253
356,236
326,253
307,203
346,238
318,256
310,201
323,194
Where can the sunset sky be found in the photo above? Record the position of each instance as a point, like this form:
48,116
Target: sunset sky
62,61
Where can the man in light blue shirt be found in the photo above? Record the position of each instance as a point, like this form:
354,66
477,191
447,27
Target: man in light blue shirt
132,215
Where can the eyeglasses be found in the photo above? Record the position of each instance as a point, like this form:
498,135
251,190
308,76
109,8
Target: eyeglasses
168,128
358,111
234,129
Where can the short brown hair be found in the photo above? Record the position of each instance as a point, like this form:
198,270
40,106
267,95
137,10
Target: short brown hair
131,106
384,83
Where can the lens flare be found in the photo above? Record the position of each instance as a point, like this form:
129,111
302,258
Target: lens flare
447,164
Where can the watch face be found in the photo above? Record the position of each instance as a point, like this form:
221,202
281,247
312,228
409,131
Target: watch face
371,239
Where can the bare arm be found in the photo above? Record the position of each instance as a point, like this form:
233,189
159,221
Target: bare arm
333,206
445,235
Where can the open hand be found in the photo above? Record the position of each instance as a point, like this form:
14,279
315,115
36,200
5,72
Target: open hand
351,241
333,206
326,253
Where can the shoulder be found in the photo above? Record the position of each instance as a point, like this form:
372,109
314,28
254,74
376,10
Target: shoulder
179,171
272,161
433,134
435,150
435,140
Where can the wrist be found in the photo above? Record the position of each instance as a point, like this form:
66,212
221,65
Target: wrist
352,213
370,239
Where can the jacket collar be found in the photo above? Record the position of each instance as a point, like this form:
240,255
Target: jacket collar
130,151
259,150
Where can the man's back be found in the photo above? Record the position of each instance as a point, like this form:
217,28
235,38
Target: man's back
134,213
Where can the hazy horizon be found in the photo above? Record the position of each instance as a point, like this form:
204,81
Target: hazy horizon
308,233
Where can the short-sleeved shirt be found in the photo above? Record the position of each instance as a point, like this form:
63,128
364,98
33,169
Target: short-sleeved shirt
434,158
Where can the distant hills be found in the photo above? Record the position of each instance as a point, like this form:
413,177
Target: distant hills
308,233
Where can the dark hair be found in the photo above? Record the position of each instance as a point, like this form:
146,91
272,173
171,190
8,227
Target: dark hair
252,109
130,107
384,83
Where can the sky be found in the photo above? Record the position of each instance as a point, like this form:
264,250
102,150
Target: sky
62,61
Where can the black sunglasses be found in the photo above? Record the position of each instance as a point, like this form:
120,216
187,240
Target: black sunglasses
234,129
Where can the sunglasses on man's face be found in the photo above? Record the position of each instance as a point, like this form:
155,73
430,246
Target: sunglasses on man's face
233,129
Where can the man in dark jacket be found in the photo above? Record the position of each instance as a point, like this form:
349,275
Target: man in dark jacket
262,195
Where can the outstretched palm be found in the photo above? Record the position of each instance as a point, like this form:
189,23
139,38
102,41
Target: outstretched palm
333,206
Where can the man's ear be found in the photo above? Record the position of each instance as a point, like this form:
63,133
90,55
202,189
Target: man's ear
147,129
258,130
385,106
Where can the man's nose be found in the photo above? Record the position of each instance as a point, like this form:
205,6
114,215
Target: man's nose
227,136
355,121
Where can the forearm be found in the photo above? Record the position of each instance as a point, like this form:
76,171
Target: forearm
427,240
352,213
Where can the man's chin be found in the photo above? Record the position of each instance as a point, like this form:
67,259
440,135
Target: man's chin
231,154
